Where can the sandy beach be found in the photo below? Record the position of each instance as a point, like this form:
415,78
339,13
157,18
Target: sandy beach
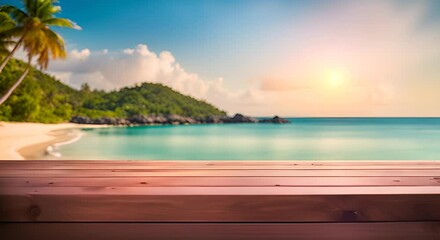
20,141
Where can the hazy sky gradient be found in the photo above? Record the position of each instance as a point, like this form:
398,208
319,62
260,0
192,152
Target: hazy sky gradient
293,58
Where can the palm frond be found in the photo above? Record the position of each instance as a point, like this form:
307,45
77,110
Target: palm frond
16,13
43,58
6,22
55,9
61,22
56,44
31,7
52,46
7,42
43,9
14,32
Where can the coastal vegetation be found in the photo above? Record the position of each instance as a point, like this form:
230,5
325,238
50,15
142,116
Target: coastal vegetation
43,98
27,94
30,28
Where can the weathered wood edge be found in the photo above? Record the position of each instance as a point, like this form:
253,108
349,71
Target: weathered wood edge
219,208
203,231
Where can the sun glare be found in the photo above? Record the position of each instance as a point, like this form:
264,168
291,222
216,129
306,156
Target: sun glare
335,79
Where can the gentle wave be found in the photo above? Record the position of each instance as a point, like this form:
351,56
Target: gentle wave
52,150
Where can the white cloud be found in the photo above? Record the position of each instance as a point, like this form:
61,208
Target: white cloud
128,51
80,55
113,70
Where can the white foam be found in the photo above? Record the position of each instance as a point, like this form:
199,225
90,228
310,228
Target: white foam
52,150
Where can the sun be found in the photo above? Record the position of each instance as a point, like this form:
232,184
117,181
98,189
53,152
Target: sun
335,79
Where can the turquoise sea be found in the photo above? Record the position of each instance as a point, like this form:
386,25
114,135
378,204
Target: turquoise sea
303,139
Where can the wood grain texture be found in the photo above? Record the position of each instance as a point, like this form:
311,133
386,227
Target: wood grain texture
218,208
208,166
213,173
229,191
240,200
134,231
219,182
131,164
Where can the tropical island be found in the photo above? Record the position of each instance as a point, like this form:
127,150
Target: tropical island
44,99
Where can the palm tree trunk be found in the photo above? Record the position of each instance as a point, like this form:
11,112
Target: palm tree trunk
16,84
7,58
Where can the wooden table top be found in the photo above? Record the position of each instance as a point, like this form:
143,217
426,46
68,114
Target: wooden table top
222,192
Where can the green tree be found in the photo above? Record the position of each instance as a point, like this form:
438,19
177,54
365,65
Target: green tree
35,35
85,88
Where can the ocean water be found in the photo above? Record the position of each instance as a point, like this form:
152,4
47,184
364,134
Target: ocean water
303,139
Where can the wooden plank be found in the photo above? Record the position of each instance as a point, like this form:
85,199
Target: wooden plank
304,231
206,164
163,191
182,205
183,163
251,192
95,166
217,173
229,162
220,181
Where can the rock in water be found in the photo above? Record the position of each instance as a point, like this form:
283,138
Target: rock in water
239,118
276,120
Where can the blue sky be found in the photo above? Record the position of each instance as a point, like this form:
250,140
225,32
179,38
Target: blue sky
210,37
203,34
288,57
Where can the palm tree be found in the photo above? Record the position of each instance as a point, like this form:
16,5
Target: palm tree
6,24
35,35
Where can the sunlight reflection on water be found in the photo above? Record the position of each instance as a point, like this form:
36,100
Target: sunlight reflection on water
303,139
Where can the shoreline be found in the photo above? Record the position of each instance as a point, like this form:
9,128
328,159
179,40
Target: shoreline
40,150
29,141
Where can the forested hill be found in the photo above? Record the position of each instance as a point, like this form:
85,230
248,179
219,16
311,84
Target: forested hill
42,98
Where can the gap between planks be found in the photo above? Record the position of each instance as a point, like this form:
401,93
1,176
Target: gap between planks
4,173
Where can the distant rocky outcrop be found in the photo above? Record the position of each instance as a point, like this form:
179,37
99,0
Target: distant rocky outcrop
212,119
102,120
275,119
239,118
173,119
